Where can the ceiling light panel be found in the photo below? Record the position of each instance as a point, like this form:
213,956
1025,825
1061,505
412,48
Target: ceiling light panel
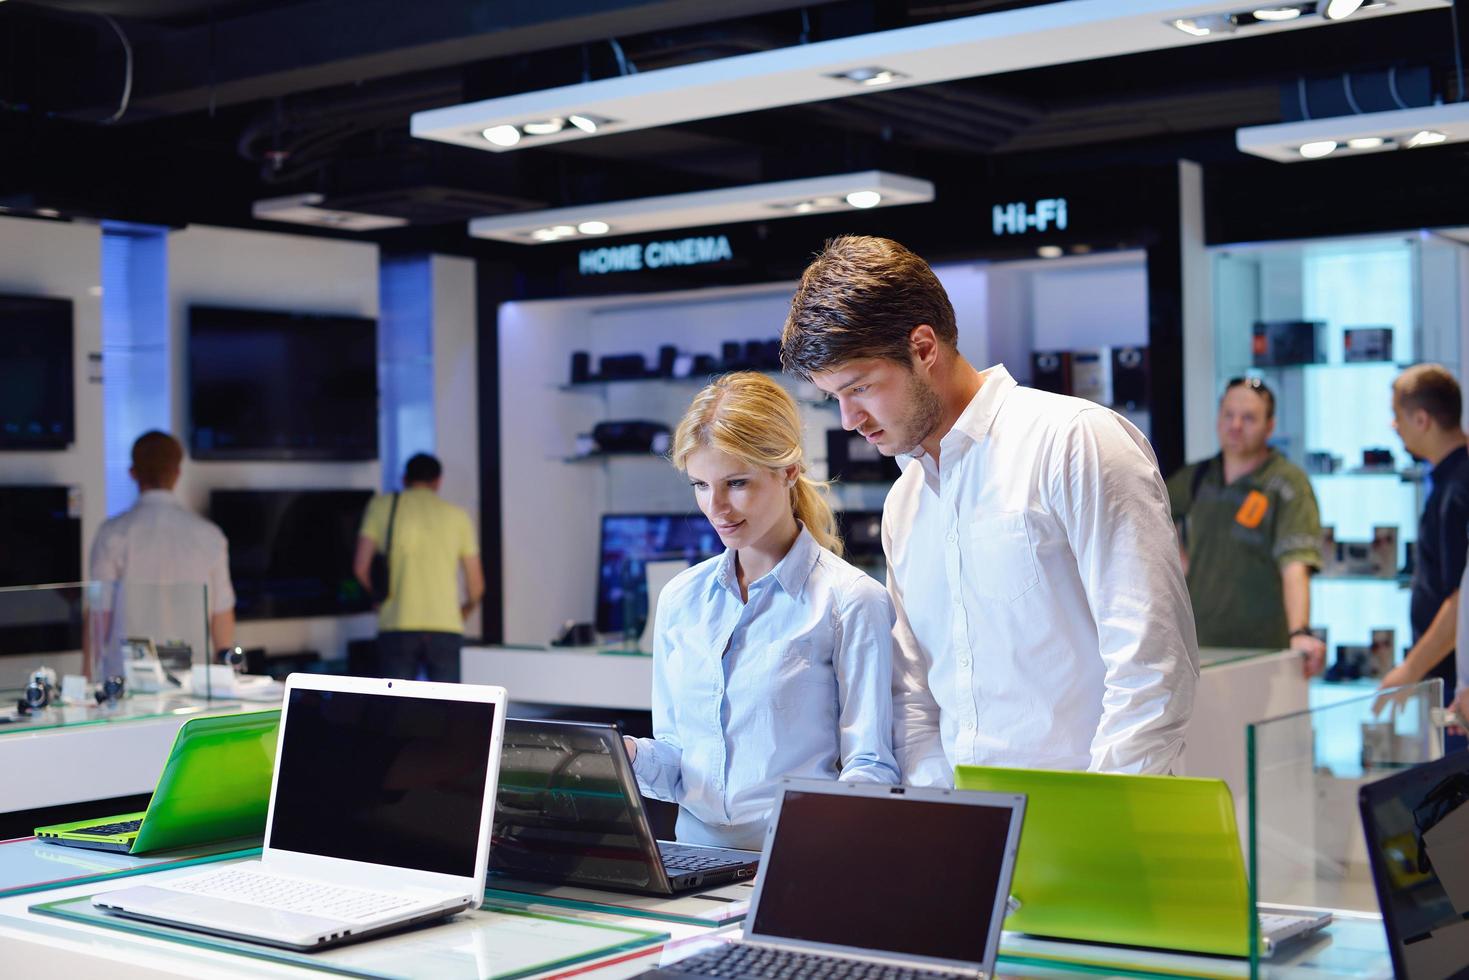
752,202
966,47
305,209
1368,132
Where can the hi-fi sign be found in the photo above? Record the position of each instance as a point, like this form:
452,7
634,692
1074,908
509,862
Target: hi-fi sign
1022,217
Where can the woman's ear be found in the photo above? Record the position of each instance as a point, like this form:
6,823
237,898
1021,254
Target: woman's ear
792,473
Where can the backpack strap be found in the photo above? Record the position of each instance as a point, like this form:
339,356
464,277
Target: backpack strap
1200,472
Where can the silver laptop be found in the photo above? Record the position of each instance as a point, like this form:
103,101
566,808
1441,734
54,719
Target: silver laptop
862,880
379,818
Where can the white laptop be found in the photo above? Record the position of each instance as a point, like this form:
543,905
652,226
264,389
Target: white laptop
380,812
877,882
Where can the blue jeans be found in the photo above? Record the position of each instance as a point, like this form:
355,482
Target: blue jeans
420,655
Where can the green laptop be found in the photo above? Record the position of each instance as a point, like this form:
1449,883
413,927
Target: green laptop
1133,860
215,786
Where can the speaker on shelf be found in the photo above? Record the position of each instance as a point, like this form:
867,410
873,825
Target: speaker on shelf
1130,377
623,366
581,367
1050,370
667,356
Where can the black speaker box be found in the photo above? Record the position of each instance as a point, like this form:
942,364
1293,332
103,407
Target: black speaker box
1050,370
1130,377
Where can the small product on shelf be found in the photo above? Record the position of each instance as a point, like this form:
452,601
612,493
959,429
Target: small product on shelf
1278,343
1367,344
1322,463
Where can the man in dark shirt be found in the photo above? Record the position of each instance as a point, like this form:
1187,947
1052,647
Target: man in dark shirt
1426,414
1250,533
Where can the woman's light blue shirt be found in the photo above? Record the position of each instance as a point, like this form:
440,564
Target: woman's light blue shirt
795,682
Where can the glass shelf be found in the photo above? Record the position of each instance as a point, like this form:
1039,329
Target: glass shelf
603,457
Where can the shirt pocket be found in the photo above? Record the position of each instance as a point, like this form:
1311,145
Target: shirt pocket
796,663
1000,560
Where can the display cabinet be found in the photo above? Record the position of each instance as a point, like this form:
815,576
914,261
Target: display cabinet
1328,324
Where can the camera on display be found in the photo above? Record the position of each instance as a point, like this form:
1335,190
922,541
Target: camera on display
40,690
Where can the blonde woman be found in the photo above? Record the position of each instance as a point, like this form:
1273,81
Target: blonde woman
775,658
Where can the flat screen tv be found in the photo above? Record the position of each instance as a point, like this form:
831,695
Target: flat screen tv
36,398
40,544
291,550
282,386
629,542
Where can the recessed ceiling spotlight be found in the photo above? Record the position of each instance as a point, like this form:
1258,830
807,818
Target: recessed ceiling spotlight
594,228
1050,251
1316,149
864,199
1205,26
871,76
1338,9
502,135
1425,137
1367,142
588,123
544,127
1271,15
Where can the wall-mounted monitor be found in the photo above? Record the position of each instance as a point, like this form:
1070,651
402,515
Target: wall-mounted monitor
40,544
291,550
281,386
629,542
37,403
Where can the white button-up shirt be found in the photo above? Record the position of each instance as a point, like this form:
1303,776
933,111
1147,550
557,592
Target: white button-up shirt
795,682
1042,615
160,540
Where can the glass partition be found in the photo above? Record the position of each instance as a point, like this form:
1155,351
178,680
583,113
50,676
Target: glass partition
1306,846
94,644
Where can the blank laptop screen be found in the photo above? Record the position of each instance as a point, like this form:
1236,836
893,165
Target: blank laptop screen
388,780
885,873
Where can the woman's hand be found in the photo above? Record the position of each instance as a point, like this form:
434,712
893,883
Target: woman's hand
631,744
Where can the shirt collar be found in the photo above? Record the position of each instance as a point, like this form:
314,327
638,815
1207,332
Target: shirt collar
157,497
1450,461
978,416
791,572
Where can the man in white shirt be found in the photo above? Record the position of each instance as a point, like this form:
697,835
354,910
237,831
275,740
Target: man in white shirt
158,540
1042,615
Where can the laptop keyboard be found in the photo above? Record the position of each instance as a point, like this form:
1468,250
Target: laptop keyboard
693,859
104,829
740,960
292,894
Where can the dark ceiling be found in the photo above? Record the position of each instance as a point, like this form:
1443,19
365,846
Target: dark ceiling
234,101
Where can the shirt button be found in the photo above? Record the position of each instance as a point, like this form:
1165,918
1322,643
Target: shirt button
964,662
969,726
958,603
953,537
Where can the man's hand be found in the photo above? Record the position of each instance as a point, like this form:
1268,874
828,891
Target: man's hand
1401,676
631,744
1312,651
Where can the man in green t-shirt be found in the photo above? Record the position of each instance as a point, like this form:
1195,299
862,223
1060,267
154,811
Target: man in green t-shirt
1250,533
431,542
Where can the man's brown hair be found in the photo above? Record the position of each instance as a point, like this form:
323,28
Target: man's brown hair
862,297
157,457
1433,389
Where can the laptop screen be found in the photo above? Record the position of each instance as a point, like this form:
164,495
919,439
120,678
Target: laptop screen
885,873
390,780
562,809
1417,828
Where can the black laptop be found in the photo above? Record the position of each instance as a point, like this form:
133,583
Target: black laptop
568,812
1416,824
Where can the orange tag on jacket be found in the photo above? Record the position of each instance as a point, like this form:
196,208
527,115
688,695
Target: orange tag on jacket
1252,511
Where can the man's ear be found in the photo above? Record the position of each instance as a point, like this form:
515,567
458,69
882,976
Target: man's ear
923,346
